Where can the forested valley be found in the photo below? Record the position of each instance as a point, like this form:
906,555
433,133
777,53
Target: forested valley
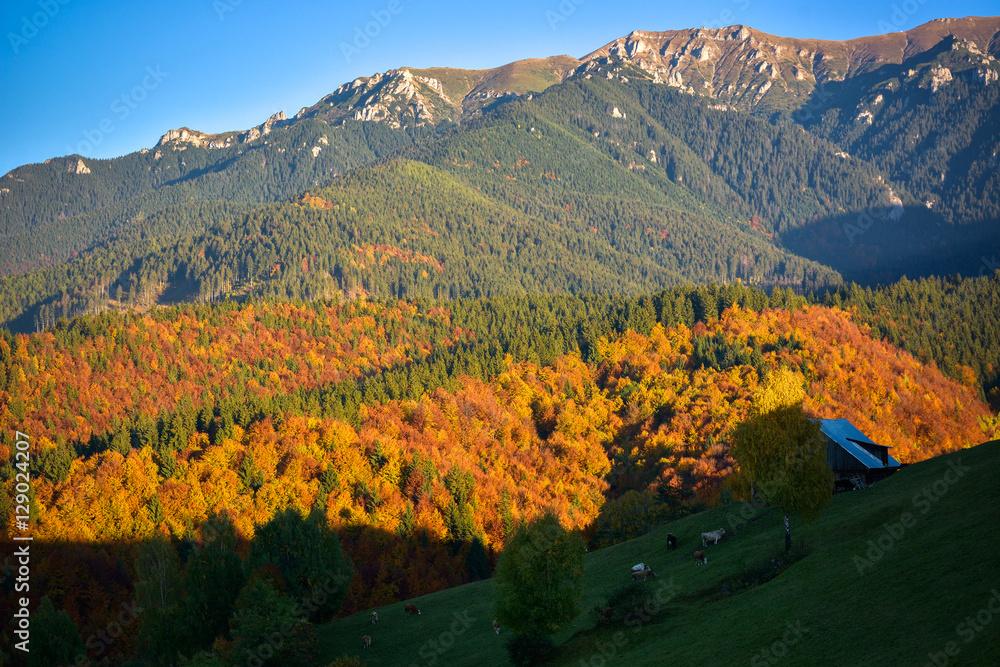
424,431
394,344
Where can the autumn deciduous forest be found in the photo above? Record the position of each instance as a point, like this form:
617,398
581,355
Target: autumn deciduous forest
422,434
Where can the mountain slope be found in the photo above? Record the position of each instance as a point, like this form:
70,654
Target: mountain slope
369,407
545,206
824,596
892,118
51,211
865,179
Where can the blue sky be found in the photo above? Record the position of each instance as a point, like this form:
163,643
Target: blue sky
107,78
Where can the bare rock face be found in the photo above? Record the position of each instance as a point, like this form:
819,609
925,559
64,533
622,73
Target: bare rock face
735,64
255,133
270,122
182,138
395,96
987,76
77,166
745,68
939,77
183,135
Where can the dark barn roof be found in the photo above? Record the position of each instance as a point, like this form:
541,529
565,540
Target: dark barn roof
850,449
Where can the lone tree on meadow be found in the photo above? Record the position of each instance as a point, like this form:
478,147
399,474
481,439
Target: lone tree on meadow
782,452
539,579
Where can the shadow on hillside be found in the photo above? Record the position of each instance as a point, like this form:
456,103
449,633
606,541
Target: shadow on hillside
870,248
844,94
95,582
178,291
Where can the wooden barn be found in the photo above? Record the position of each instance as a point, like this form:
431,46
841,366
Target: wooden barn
856,461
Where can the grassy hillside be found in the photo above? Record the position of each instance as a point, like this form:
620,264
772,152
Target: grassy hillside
844,602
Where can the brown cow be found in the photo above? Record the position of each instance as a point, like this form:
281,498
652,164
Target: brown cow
700,558
374,618
367,641
642,574
410,609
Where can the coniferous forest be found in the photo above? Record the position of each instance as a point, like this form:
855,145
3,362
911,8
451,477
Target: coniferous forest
364,354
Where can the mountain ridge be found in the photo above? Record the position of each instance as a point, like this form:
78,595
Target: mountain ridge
674,57
517,76
609,167
696,59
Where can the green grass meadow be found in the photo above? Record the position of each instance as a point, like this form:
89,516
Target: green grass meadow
902,573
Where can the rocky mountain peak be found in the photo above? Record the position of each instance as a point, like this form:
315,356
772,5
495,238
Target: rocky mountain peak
183,137
747,68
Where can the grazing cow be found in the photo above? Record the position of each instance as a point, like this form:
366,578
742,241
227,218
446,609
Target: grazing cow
607,614
639,567
700,558
642,574
410,609
671,541
374,618
715,536
367,639
496,626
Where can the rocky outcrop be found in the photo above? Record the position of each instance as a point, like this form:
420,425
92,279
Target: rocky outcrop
407,96
184,137
939,77
393,97
747,68
262,130
734,64
75,165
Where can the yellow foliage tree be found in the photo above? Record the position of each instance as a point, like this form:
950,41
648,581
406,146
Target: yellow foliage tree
782,452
